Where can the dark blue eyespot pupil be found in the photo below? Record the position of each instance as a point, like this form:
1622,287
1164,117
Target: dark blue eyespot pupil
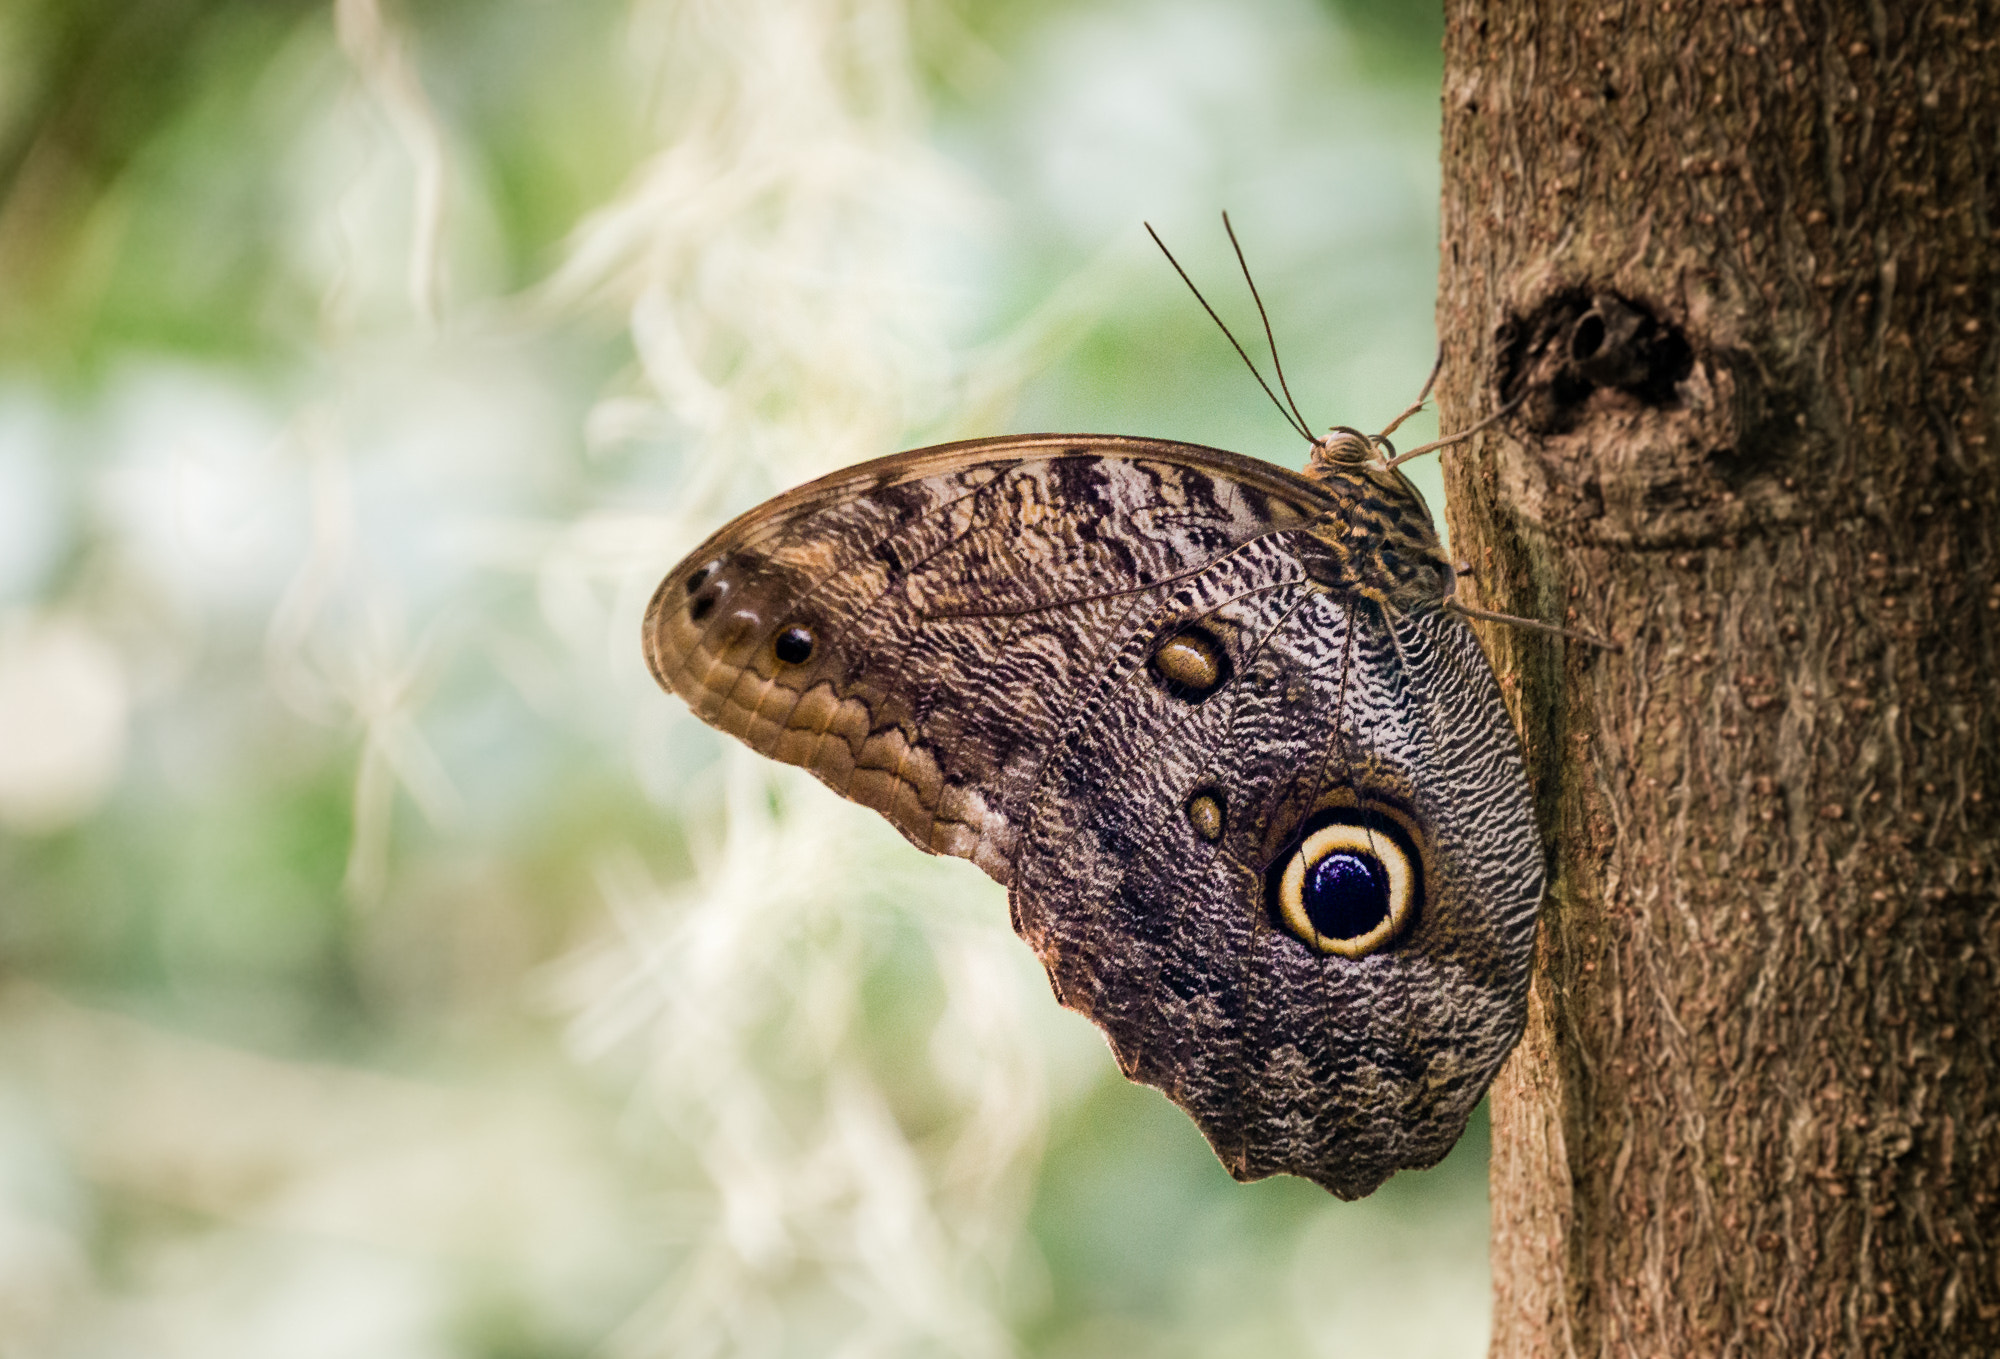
1346,895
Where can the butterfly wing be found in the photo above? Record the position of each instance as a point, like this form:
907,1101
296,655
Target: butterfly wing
1103,670
915,630
1339,1069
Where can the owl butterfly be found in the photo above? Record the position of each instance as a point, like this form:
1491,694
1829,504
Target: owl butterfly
1217,727
1249,784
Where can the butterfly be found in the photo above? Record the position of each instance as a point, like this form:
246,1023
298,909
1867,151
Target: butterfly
1220,729
1246,776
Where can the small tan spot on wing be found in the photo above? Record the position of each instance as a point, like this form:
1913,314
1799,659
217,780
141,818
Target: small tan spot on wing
1191,664
1204,813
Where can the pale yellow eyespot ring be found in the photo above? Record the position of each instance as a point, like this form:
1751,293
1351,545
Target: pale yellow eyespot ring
1372,883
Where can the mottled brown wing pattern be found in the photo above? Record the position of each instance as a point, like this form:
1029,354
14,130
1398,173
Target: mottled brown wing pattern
1342,1070
956,600
1130,679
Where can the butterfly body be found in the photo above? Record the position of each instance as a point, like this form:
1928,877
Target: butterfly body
1257,804
1379,532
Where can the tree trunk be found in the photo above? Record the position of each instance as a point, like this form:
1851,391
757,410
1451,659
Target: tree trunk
1739,262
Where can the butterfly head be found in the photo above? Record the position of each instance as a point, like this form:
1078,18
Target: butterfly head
1347,457
1343,448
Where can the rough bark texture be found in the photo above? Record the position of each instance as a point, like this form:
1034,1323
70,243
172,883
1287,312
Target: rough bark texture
1740,260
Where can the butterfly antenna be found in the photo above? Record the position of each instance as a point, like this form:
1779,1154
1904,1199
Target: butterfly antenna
1290,418
1272,340
1459,437
1422,397
1532,625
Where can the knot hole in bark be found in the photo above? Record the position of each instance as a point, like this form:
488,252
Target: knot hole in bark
1578,343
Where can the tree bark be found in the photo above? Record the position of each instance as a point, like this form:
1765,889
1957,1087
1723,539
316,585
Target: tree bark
1738,261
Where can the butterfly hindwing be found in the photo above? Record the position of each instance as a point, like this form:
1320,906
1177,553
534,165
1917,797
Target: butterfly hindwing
1343,1070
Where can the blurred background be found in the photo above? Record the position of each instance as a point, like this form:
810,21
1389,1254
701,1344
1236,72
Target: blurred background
389,968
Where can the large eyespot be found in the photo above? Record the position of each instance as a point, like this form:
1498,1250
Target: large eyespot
1349,888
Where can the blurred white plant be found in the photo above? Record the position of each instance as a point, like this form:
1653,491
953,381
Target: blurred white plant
846,1065
772,255
63,708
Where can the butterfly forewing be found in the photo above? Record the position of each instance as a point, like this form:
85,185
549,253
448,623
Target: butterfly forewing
955,600
1127,678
